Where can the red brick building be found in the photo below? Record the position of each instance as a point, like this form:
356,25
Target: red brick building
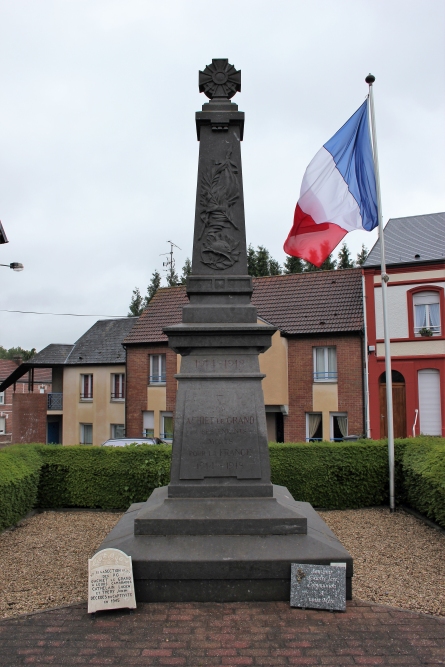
314,385
40,382
415,264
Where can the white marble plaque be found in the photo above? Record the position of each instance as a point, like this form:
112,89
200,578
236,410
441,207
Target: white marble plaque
110,581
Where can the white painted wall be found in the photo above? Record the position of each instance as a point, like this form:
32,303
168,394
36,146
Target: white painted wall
397,309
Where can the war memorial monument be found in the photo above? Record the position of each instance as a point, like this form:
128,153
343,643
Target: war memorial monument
221,531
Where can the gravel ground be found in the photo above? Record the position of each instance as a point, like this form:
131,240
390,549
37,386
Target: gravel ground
398,560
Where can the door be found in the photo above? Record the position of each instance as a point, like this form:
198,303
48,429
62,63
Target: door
53,433
429,402
398,408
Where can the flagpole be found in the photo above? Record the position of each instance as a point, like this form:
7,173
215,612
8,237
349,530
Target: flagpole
384,277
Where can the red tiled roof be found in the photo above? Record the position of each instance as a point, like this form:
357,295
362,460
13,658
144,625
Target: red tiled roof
313,302
7,366
300,303
41,375
164,310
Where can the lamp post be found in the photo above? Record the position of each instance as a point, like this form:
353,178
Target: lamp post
15,266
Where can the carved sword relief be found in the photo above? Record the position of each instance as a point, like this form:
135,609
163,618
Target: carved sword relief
219,193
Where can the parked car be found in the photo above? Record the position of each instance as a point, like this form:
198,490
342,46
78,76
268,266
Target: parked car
123,442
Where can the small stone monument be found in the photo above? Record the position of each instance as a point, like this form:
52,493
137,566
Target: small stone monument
110,581
221,530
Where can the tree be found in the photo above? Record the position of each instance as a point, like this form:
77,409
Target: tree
172,277
16,352
251,260
186,271
260,263
344,258
274,268
362,255
136,304
293,265
329,264
153,287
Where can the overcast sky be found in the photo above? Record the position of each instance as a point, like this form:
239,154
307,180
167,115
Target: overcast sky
98,149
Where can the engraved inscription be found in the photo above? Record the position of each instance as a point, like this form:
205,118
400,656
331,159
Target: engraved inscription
318,587
110,581
219,440
215,364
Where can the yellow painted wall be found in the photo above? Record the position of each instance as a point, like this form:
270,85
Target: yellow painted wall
417,275
101,411
325,400
156,401
413,347
273,363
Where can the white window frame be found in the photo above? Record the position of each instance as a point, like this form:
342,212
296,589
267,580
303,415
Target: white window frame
121,389
158,376
2,425
148,424
308,438
163,434
2,397
82,434
117,431
89,396
426,298
331,425
325,375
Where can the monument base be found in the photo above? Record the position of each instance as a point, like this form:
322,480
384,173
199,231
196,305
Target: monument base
223,567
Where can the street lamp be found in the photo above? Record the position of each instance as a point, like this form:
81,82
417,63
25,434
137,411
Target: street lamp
15,266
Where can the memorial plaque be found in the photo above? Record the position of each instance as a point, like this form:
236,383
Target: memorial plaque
318,586
220,434
110,581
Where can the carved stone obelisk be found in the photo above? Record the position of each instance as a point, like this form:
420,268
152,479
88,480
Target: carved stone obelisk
220,530
220,444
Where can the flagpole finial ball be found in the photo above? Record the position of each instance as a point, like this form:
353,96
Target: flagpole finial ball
370,79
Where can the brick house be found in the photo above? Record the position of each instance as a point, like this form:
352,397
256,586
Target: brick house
415,263
314,385
41,383
86,404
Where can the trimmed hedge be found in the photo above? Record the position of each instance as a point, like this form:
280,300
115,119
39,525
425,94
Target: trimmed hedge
19,479
102,477
424,477
329,475
336,475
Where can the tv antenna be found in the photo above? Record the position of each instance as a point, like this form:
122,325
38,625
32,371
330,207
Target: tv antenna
169,264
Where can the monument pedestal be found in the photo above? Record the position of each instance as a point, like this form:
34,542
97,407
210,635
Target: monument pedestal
222,550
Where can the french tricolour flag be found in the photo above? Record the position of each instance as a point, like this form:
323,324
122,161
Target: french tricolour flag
338,193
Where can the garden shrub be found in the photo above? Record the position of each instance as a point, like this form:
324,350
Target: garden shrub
336,475
19,478
424,477
101,477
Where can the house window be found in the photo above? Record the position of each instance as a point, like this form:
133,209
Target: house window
426,313
118,430
314,426
339,426
2,425
2,397
167,425
86,387
157,368
86,434
325,364
117,386
148,424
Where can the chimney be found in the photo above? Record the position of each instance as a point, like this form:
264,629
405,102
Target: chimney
18,359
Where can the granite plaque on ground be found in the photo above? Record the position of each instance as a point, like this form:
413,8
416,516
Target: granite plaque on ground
318,586
110,581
